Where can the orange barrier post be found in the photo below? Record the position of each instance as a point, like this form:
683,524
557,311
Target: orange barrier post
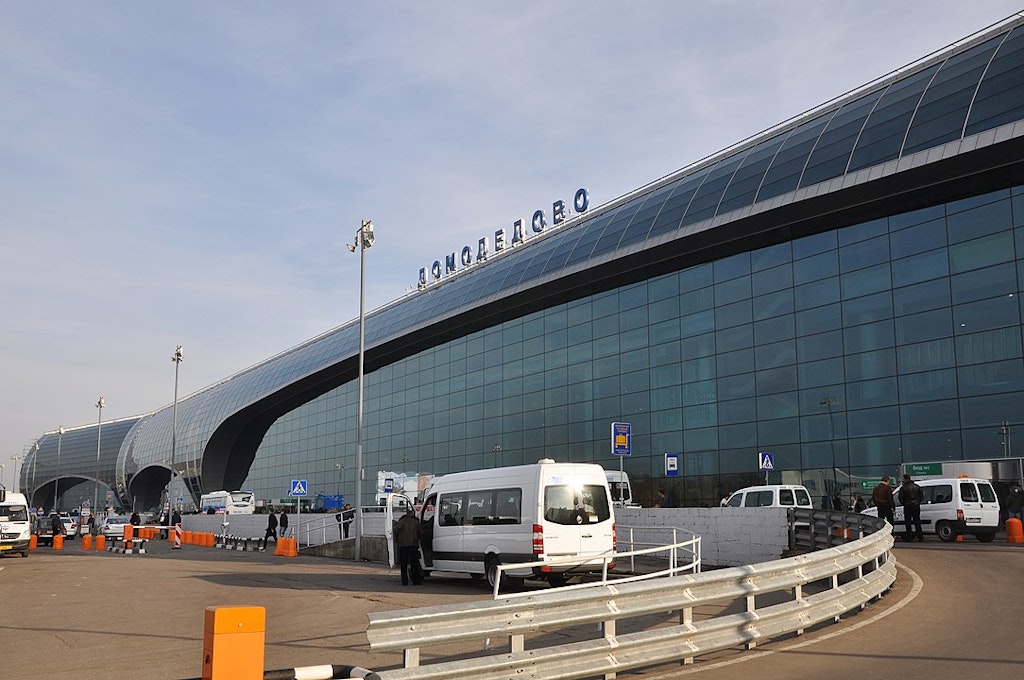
33,542
1014,531
87,542
58,542
129,532
233,643
187,538
101,542
170,535
177,535
211,540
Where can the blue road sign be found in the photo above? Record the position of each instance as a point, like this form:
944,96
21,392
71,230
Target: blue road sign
299,488
622,439
766,461
671,464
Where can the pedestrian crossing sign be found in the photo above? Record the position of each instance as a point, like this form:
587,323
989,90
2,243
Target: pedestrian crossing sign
766,461
298,488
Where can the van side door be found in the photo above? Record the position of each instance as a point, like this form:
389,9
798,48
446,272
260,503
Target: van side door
451,516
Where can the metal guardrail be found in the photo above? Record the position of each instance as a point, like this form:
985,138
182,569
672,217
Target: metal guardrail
681,556
843,577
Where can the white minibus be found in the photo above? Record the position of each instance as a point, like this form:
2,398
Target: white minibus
471,522
15,523
228,503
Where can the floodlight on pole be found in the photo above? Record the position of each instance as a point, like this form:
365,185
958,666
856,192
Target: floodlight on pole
99,432
56,483
177,358
363,240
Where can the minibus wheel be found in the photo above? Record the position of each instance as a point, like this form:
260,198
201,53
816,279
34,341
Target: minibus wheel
945,531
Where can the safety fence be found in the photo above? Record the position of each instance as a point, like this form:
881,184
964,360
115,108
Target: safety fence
756,603
670,551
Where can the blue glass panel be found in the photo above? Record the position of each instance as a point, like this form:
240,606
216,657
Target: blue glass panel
788,164
769,280
1000,98
818,320
821,346
924,326
927,386
743,187
981,252
886,128
609,239
815,267
864,253
705,201
1000,376
984,283
985,314
772,256
671,214
832,152
997,344
732,291
923,267
875,421
812,245
586,234
985,219
943,109
918,239
869,336
921,297
644,217
856,233
732,267
926,356
867,309
774,304
868,393
817,293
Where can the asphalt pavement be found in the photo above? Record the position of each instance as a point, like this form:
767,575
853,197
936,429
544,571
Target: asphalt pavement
954,612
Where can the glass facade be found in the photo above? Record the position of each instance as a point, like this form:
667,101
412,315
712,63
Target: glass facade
843,347
853,350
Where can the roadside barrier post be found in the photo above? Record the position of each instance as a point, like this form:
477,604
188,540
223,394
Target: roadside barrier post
58,542
101,542
233,641
177,535
87,542
1014,531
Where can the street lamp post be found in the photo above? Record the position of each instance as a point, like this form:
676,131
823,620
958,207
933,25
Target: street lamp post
99,431
176,358
339,467
17,482
363,240
56,483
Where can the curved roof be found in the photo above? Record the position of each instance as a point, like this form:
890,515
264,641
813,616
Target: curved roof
957,102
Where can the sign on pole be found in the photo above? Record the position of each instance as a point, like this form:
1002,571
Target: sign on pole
622,439
766,461
299,488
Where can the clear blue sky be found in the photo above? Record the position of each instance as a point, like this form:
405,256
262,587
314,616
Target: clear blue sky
189,172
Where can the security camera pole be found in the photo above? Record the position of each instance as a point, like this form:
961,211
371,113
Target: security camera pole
363,240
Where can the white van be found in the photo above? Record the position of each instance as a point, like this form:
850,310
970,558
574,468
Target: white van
953,506
770,496
622,492
473,521
15,523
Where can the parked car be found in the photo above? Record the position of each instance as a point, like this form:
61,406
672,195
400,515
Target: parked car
951,507
112,527
770,496
70,525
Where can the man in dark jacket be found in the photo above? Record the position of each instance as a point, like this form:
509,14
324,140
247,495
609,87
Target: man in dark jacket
882,498
910,499
407,536
271,529
1015,502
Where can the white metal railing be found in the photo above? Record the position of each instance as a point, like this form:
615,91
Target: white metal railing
777,598
653,546
323,529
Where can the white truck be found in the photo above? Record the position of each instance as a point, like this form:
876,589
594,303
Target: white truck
15,523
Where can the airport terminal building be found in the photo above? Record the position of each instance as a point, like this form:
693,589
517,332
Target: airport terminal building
842,291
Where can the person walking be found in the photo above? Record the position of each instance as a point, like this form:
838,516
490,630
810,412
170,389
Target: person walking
1015,503
883,500
283,522
271,529
910,499
407,536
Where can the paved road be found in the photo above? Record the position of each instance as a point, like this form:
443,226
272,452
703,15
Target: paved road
955,612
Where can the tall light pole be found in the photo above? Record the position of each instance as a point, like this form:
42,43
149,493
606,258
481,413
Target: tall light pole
17,482
99,431
35,458
56,483
339,467
363,240
176,358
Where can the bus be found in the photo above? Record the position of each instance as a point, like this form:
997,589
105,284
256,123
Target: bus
227,503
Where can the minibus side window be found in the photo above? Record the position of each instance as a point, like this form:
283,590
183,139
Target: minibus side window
452,510
987,494
786,497
565,504
508,509
968,492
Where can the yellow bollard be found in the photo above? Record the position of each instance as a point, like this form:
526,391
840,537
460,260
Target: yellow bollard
233,642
